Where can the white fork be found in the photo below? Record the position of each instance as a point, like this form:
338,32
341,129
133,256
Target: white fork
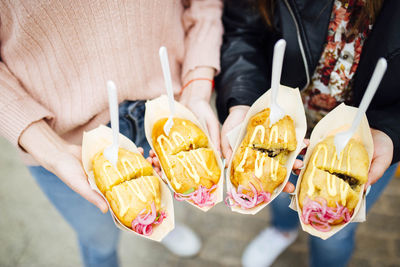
341,139
277,112
168,85
111,152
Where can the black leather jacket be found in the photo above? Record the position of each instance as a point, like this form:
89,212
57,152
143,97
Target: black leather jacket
246,56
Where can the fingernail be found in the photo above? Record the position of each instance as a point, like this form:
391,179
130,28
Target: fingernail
294,173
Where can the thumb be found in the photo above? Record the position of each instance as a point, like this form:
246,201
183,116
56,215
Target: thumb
376,171
92,196
226,150
213,129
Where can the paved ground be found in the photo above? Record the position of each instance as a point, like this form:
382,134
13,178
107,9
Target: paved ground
32,233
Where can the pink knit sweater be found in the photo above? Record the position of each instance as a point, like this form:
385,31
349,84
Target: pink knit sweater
57,55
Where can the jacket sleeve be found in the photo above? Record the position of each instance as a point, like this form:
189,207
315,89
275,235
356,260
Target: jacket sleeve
243,76
203,29
17,108
386,117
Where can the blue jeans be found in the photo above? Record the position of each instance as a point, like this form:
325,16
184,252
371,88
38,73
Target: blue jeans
97,235
337,250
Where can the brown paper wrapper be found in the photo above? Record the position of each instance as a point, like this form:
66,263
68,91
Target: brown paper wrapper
290,101
100,138
339,119
157,109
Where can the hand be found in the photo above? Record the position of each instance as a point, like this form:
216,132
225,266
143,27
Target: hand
155,162
297,167
196,96
235,117
382,157
60,158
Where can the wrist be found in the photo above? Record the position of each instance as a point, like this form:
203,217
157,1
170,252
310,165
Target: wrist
199,72
42,143
200,81
238,108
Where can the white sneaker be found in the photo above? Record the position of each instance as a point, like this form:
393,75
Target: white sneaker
266,247
182,241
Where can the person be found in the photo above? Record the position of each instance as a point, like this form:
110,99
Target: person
56,57
332,49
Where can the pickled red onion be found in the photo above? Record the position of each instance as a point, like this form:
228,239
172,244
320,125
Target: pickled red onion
244,201
320,216
143,223
201,197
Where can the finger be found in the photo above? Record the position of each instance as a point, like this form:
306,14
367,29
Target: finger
156,163
76,151
214,130
378,168
150,160
151,153
298,164
289,188
82,187
226,150
158,171
141,151
306,142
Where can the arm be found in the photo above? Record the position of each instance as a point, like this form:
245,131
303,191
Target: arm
18,109
22,122
203,28
387,120
244,68
385,123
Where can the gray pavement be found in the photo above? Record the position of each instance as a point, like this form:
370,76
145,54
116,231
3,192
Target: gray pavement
32,232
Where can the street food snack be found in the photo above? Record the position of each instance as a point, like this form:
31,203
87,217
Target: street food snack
331,186
140,202
258,164
129,165
188,161
131,189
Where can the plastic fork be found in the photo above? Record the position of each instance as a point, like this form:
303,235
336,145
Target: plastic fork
168,85
341,139
111,152
277,112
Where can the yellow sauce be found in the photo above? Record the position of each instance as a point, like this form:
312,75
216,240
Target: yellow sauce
274,169
344,188
254,135
136,190
241,164
199,158
258,168
273,133
310,183
331,179
331,184
123,208
192,170
159,140
176,136
259,162
108,165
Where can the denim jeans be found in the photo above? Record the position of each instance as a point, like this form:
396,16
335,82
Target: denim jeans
97,235
337,250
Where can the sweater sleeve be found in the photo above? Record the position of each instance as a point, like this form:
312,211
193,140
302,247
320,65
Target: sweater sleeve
203,29
17,109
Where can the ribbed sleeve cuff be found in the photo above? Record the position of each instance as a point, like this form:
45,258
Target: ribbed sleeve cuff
202,53
17,115
204,37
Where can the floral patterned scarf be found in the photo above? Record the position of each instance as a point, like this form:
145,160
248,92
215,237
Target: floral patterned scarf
331,82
